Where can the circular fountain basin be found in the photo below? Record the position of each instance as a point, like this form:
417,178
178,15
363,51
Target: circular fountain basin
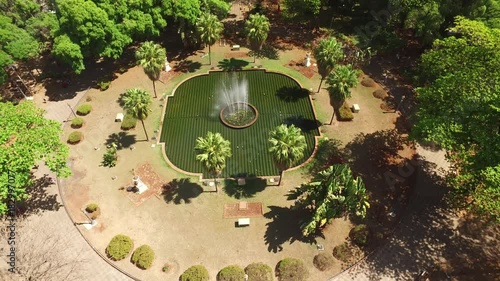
239,115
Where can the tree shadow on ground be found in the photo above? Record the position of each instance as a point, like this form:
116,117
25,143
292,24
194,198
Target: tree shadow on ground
302,123
181,191
285,227
328,153
39,200
248,190
268,51
232,64
121,139
187,66
292,94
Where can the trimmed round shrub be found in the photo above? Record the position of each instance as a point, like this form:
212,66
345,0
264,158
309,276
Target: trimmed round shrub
128,122
291,269
143,257
368,82
323,261
259,271
75,137
195,273
84,109
380,94
360,234
92,207
345,113
119,247
77,123
231,273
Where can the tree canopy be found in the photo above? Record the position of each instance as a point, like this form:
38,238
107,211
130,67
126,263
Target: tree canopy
26,138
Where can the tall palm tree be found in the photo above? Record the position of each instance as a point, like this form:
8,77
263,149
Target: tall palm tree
210,28
327,53
213,150
341,81
152,58
257,28
287,147
137,103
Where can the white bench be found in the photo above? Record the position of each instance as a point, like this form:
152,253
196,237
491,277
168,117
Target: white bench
355,108
235,48
119,117
243,222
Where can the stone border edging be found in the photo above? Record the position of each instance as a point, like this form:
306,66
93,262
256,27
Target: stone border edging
200,175
58,183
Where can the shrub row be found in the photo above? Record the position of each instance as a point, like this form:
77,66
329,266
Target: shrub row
120,246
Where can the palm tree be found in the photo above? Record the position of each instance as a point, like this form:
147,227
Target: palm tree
287,147
152,58
327,53
213,150
137,103
341,81
257,29
210,29
332,193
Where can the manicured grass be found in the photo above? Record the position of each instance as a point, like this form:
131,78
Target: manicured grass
192,112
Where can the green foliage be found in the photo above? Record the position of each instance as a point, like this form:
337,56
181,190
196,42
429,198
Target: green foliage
219,8
185,14
426,21
287,145
129,122
137,103
360,235
110,157
328,53
343,252
345,113
231,273
152,58
26,138
44,26
104,85
5,61
332,193
143,257
213,150
290,269
92,207
210,29
259,271
84,109
119,247
257,29
323,261
69,53
75,137
77,123
16,42
195,273
458,108
341,80
305,9
327,154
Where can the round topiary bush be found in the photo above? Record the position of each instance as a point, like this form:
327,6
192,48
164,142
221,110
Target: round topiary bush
77,123
195,273
231,273
360,234
84,109
291,269
75,137
380,94
119,247
143,257
92,207
323,261
368,82
259,271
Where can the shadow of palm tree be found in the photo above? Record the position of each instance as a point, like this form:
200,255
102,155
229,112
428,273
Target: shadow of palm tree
303,123
285,227
181,191
232,64
251,187
39,200
267,51
121,139
292,94
187,66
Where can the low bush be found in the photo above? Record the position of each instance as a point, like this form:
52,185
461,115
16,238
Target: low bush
128,122
231,273
84,109
119,247
165,267
360,234
77,123
345,113
92,207
323,261
143,257
368,82
110,157
104,85
380,94
259,271
291,269
195,273
75,137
